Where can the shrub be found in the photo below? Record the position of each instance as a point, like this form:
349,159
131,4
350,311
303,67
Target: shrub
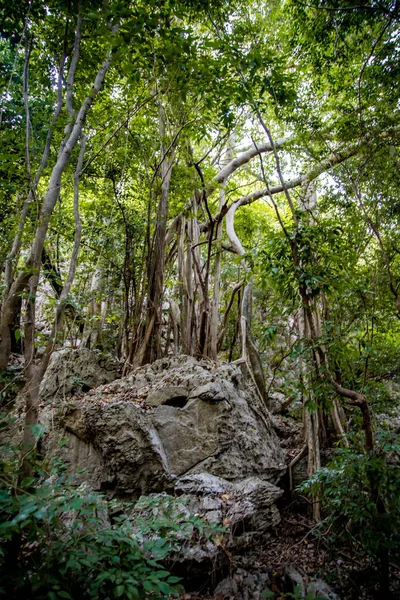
57,541
361,495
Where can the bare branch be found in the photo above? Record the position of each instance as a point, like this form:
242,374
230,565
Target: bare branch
243,159
72,265
236,244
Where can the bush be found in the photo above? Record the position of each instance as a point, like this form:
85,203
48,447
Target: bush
57,541
361,495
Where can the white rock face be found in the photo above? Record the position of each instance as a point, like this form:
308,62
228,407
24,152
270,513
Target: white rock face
248,506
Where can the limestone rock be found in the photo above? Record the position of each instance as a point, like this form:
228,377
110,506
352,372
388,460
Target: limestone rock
237,514
176,417
192,551
209,392
172,396
288,430
322,590
202,484
247,507
294,580
73,371
243,585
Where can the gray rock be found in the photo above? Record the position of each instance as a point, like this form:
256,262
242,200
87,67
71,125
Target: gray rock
300,472
322,590
238,514
294,579
193,428
288,430
228,588
242,585
173,396
72,371
192,551
189,436
130,440
116,444
209,392
202,484
253,506
247,507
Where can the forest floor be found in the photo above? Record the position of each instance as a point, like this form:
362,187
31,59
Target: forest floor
307,549
310,550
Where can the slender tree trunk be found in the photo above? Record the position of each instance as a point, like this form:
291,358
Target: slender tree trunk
222,333
36,371
92,329
214,319
250,355
33,262
150,348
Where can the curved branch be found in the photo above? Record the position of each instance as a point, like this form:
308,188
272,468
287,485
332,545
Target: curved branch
236,244
335,158
359,400
243,159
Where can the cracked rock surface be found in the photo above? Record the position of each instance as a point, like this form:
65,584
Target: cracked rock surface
71,371
177,417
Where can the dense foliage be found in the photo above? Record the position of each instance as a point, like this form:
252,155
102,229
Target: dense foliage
63,540
349,487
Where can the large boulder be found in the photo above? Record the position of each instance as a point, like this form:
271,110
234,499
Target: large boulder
71,372
176,417
247,507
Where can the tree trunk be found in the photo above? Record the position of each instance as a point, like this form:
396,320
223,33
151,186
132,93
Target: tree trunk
35,372
150,348
33,262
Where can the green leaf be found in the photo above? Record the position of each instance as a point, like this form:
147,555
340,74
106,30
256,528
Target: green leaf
148,586
37,430
28,482
173,579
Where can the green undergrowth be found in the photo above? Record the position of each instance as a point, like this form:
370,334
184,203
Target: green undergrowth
360,498
59,540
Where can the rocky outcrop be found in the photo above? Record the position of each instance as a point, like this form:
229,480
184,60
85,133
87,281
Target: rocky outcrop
194,429
73,371
176,417
247,507
234,516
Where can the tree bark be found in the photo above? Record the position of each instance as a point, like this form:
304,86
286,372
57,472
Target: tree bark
150,348
35,372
